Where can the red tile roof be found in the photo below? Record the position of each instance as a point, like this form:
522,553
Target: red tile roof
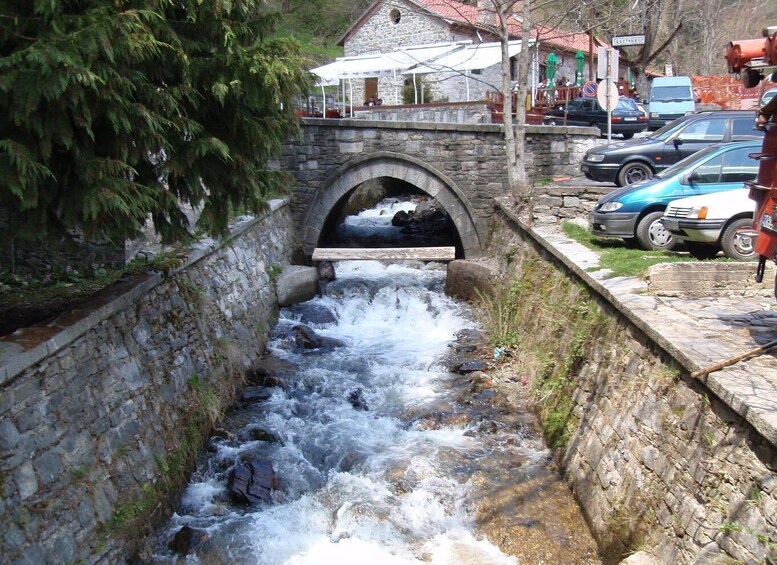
457,12
558,38
562,39
451,10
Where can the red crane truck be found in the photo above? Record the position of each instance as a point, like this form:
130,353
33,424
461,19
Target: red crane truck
755,60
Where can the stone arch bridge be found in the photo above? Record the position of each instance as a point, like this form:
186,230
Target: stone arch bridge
461,165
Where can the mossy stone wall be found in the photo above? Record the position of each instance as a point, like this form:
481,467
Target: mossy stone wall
99,424
657,462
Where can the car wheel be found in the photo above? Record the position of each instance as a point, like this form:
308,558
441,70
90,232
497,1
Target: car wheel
551,122
701,251
628,135
652,235
633,172
738,246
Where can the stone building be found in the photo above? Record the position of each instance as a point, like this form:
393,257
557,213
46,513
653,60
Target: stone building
388,25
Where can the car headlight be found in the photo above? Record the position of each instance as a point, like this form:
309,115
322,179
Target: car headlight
610,206
594,157
698,212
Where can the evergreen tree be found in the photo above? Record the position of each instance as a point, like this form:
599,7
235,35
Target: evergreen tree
116,110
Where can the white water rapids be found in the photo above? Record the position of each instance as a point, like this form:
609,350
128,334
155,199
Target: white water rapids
355,486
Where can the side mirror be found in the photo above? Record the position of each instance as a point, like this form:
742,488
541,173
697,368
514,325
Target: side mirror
691,177
643,101
677,141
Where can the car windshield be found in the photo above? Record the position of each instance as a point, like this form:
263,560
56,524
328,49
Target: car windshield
685,163
669,129
670,93
627,104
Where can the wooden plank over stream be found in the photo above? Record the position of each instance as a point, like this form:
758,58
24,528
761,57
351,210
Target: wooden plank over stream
384,254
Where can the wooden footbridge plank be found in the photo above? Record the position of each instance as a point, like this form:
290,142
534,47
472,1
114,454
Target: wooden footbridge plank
384,254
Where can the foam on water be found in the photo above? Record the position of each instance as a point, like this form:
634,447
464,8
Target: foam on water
355,486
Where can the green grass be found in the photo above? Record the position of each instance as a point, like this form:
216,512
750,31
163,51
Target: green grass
616,256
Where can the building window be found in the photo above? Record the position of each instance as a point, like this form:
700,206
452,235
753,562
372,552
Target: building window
395,16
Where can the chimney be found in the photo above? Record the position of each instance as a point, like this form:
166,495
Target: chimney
486,15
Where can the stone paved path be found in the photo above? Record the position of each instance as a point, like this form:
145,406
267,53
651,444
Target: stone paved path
698,332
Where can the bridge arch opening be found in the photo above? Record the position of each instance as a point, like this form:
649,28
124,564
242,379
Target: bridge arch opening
396,173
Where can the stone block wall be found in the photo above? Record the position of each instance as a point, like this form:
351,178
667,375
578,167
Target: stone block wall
96,407
381,33
554,203
454,113
657,461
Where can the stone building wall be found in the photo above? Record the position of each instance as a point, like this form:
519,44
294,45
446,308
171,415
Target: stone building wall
380,34
99,409
657,461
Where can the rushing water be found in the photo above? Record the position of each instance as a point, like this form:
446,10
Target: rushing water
375,454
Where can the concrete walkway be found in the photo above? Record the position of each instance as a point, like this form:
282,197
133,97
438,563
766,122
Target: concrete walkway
697,332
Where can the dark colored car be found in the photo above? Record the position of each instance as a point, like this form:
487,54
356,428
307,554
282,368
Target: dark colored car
632,161
627,118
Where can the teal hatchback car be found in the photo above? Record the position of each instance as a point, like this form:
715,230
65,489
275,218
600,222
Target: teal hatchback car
633,212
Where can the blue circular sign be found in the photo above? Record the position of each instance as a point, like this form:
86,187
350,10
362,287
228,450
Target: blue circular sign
589,89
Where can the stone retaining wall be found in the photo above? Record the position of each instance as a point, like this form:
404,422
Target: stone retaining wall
657,461
100,409
554,203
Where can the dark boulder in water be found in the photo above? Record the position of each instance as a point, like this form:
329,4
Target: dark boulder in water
313,313
262,376
252,482
356,398
255,394
188,540
326,271
306,338
401,218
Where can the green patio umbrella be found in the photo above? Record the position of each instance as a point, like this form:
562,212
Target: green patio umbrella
579,65
552,64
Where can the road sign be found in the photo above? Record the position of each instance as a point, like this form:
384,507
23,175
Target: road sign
601,96
619,40
589,89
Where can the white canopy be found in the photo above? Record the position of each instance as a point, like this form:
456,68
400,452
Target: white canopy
471,57
383,64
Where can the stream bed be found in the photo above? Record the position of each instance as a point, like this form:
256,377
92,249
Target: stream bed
366,447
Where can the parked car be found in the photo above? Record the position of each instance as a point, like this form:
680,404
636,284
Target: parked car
710,222
633,212
669,98
626,162
627,118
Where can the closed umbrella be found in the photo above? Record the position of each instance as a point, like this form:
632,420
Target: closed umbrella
552,64
580,63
